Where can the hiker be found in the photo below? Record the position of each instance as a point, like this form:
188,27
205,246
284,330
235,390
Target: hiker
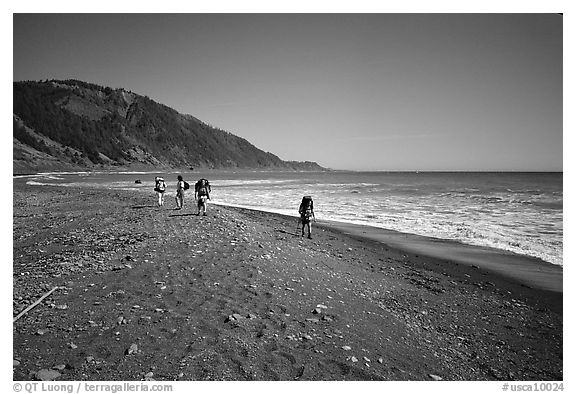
306,211
202,191
180,186
160,188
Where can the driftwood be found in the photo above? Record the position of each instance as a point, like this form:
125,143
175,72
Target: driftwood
34,304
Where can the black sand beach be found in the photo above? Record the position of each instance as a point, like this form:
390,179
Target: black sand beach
158,294
531,272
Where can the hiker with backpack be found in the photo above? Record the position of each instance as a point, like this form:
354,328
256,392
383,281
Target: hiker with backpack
202,191
180,187
160,188
306,211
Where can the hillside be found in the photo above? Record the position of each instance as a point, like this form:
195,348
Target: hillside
74,125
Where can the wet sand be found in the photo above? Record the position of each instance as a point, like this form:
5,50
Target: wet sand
159,294
526,270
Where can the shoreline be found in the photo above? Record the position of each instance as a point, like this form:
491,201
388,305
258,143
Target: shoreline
461,250
527,270
432,246
160,294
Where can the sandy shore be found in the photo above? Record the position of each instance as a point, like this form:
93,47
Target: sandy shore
531,272
157,294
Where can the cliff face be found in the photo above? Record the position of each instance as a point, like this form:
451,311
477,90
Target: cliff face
74,125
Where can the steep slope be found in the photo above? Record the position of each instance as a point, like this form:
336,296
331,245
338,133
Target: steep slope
77,125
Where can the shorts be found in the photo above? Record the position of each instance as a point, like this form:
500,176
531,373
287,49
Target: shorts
202,200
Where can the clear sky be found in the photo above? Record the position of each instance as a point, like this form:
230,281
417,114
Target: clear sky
349,91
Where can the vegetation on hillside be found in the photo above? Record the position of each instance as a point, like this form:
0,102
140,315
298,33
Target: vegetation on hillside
117,127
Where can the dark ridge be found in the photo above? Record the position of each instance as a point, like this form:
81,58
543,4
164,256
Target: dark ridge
76,125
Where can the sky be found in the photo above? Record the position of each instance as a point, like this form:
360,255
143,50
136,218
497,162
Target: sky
358,91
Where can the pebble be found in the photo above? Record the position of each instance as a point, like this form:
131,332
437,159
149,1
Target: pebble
47,374
132,349
233,317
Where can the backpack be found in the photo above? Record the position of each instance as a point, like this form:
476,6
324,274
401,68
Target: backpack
306,208
202,187
186,185
160,185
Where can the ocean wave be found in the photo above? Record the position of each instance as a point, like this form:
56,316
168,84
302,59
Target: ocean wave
248,182
65,173
36,183
484,234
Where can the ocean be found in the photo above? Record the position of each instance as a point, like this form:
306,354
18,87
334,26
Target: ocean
516,212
